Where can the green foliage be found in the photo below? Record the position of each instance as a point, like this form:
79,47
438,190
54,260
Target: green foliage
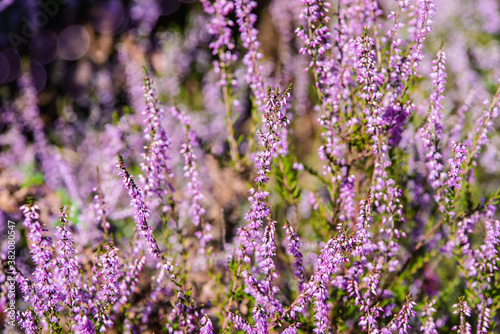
287,178
32,177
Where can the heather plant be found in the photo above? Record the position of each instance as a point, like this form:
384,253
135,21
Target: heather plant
304,167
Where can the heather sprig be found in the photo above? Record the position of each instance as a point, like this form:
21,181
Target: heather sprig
464,310
318,44
432,130
29,322
110,272
421,25
156,167
207,327
273,119
456,169
222,44
67,262
426,316
246,24
194,184
132,267
141,212
240,323
46,297
293,249
484,317
56,170
224,47
184,305
333,256
401,321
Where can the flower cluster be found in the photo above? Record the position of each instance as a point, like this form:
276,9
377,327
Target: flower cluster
45,295
156,168
141,212
362,198
273,120
67,261
431,132
246,24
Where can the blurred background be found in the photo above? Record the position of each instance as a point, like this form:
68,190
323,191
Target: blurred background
70,47
73,71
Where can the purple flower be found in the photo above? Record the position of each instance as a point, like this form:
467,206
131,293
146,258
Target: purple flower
220,25
431,132
185,313
260,320
368,76
207,327
134,78
465,311
47,296
194,185
456,172
84,325
483,322
100,207
478,137
56,171
263,294
293,249
141,212
318,43
28,322
346,197
156,156
131,271
67,264
419,28
332,258
267,251
363,234
240,323
290,330
110,273
321,309
492,239
369,319
222,44
273,120
246,22
401,321
428,324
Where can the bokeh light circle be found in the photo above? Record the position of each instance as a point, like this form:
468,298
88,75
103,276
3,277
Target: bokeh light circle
44,47
38,76
10,65
74,42
168,7
109,17
4,68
